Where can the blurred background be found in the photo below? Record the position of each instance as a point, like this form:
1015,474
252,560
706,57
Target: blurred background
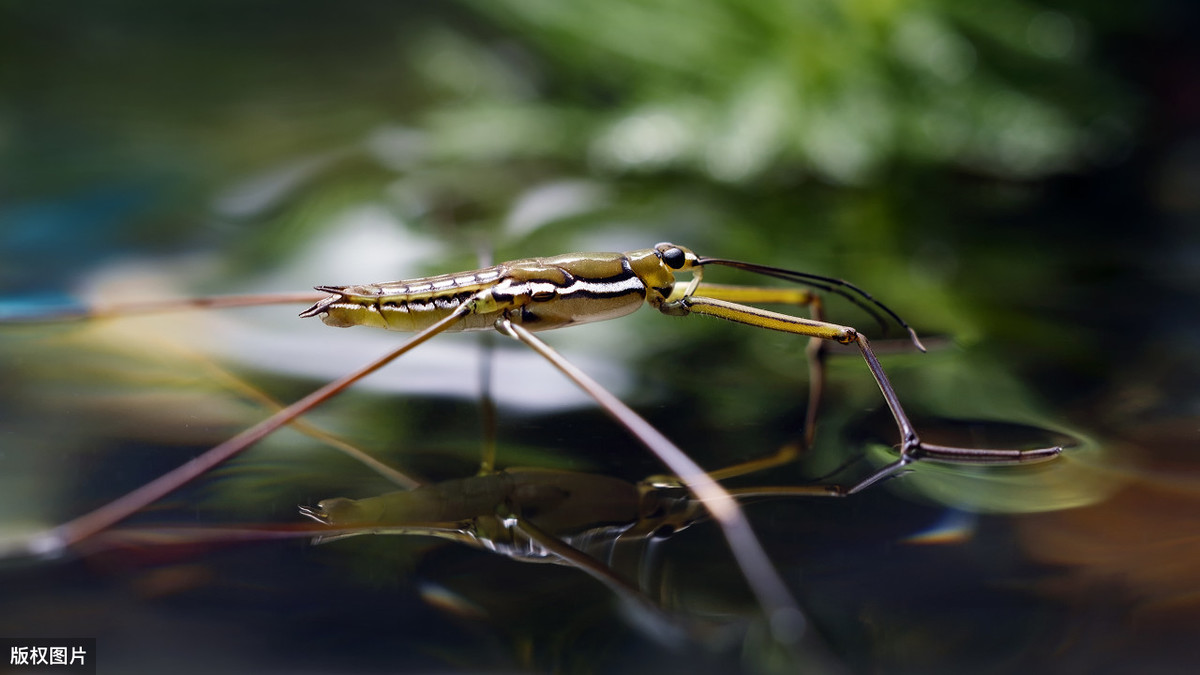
1019,180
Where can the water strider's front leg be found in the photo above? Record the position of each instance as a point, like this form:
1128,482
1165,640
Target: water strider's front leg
815,353
911,447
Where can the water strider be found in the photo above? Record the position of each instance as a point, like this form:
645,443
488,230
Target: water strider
521,297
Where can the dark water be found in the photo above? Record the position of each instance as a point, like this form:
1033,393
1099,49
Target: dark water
1049,261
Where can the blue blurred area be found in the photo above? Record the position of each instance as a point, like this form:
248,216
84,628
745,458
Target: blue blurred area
50,244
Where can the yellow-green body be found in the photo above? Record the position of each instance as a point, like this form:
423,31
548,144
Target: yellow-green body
538,293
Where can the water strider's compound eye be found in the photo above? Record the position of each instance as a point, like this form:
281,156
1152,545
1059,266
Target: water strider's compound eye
673,256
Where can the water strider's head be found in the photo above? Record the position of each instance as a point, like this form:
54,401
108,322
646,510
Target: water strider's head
676,257
656,268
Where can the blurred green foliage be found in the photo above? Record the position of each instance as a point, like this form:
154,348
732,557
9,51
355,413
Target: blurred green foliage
741,92
467,106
